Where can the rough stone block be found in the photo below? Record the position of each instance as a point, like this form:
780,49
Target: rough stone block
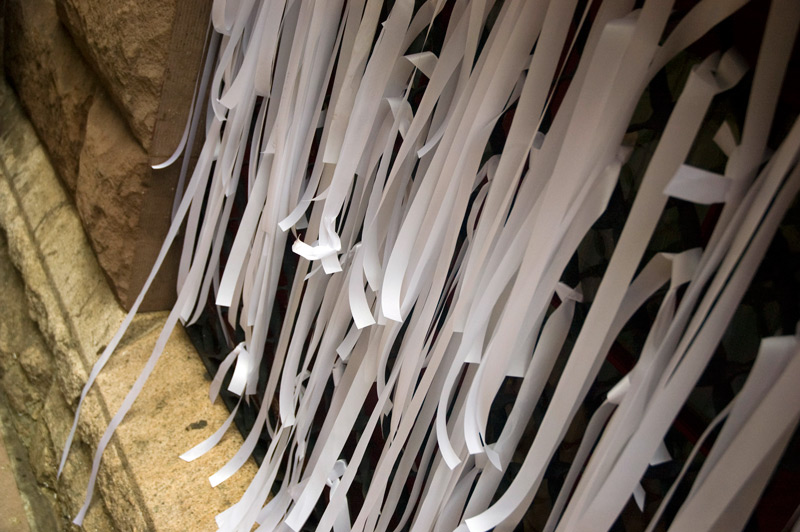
25,368
126,42
20,394
37,364
55,84
163,408
58,89
114,185
71,485
42,457
142,485
38,499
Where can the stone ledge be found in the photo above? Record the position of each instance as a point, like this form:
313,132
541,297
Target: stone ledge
142,484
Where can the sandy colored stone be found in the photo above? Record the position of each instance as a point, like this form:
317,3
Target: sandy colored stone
36,363
36,192
88,137
112,184
20,394
142,485
26,382
126,42
23,353
71,486
163,409
55,84
42,455
12,511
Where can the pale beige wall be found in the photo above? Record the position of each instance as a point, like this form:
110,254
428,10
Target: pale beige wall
107,86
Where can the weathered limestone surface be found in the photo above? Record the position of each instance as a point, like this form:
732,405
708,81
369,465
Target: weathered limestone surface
123,204
113,181
126,42
142,484
34,411
56,86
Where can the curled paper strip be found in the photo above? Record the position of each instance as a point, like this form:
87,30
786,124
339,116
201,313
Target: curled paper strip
698,186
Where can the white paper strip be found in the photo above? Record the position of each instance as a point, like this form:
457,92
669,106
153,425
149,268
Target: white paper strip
429,265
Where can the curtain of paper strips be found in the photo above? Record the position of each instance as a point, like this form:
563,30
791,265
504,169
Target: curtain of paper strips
431,270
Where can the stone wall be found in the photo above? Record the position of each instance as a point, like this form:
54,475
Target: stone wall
107,86
56,317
